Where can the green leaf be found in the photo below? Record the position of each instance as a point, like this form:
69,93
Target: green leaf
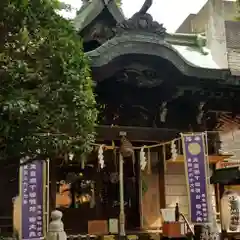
47,103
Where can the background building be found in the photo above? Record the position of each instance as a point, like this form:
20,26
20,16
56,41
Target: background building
217,20
197,23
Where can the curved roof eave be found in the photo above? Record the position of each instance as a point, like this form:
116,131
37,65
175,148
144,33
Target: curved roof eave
145,44
93,9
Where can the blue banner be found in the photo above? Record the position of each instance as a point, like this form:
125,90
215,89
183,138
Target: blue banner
32,199
194,150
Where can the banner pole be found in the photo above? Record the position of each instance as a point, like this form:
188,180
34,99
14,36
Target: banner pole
208,180
47,192
20,198
212,221
44,199
121,193
46,195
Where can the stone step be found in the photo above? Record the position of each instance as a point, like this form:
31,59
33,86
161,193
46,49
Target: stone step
140,236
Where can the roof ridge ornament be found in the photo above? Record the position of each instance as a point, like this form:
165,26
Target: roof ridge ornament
145,7
141,22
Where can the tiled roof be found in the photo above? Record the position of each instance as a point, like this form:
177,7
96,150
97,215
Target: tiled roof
91,10
230,135
195,57
233,46
233,34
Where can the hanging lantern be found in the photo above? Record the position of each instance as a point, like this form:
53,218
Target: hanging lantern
126,148
174,150
100,157
230,202
143,162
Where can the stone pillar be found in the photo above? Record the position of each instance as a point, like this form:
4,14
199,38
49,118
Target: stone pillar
56,228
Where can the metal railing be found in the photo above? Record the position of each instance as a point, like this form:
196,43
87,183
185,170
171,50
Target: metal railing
187,227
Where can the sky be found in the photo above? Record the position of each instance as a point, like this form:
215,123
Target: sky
169,12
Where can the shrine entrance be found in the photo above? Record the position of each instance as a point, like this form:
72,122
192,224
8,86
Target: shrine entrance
90,194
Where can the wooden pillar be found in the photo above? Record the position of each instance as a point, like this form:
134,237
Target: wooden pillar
122,232
217,197
140,197
52,185
162,197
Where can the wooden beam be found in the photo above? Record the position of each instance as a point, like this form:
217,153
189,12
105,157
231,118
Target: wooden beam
143,134
212,158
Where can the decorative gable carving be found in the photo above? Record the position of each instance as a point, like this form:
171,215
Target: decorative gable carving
141,22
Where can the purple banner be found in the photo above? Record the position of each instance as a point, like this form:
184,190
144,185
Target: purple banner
31,185
196,173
